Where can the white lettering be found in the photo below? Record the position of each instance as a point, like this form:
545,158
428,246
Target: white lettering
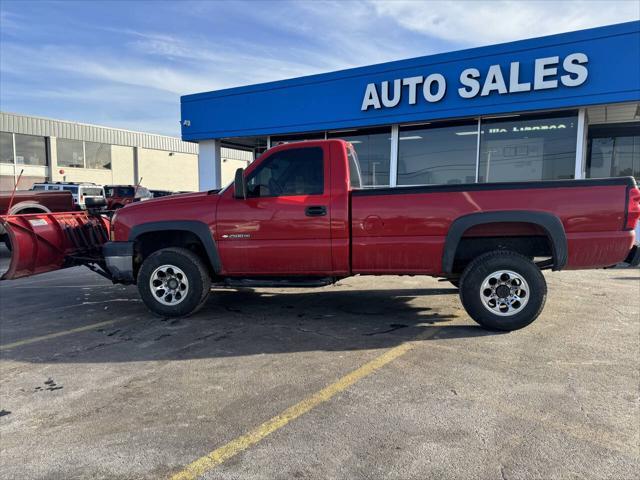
397,93
468,79
370,98
514,80
574,63
545,67
412,83
441,87
494,81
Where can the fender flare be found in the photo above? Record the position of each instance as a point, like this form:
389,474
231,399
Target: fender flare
548,222
200,229
15,209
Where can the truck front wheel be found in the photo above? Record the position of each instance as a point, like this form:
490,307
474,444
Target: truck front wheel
173,282
503,290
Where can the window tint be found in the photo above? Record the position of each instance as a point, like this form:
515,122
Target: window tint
31,150
373,147
436,154
98,155
528,148
70,188
6,147
614,151
298,171
38,187
92,192
70,153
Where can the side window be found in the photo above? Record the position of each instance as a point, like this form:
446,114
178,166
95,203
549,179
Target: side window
298,171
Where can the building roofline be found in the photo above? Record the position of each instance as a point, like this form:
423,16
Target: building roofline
93,125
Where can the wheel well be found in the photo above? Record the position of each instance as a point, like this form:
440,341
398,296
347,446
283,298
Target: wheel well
150,242
528,239
27,210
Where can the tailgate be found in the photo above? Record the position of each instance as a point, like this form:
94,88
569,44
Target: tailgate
44,242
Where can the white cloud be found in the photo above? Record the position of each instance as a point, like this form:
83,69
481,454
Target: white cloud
486,22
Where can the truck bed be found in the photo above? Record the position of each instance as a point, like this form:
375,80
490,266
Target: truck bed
404,229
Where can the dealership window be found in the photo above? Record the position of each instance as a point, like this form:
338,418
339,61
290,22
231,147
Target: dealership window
30,150
522,148
437,154
614,151
98,155
373,147
70,153
278,139
6,147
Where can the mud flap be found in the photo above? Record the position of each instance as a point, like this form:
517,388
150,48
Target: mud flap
44,242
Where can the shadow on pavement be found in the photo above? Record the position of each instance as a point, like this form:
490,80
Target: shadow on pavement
232,323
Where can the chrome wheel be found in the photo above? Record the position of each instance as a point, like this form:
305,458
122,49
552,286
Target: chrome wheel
169,285
504,293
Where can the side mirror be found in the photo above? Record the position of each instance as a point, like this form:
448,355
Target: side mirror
240,185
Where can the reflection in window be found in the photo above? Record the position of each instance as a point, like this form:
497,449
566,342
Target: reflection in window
31,150
70,153
298,171
438,154
300,137
614,151
373,147
98,155
6,147
528,148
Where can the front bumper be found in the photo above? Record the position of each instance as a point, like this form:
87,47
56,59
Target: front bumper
633,259
118,257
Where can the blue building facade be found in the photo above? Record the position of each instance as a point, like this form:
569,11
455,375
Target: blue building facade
555,107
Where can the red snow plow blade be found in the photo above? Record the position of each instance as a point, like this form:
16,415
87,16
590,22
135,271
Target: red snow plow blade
44,242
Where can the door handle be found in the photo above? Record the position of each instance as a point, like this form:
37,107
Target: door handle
316,211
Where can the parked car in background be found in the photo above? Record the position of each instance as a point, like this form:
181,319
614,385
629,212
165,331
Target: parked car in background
29,201
120,195
79,191
161,193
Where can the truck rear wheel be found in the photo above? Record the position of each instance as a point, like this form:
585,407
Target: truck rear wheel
503,290
173,282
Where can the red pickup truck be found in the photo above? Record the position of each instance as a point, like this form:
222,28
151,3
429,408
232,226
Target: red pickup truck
298,216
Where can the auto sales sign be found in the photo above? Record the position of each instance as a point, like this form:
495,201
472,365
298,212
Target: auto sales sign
545,73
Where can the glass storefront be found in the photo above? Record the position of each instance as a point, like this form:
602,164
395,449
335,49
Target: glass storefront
70,153
437,154
527,148
511,148
373,147
6,147
614,151
30,150
98,155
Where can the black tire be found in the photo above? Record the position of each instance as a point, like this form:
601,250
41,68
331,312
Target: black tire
198,286
473,287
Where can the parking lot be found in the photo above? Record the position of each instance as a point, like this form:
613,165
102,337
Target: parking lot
378,377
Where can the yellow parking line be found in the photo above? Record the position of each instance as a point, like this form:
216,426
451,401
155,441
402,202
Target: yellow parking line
55,335
202,465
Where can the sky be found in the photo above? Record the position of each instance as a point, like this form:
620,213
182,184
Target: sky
126,63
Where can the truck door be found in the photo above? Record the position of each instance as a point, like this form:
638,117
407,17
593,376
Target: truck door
283,226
